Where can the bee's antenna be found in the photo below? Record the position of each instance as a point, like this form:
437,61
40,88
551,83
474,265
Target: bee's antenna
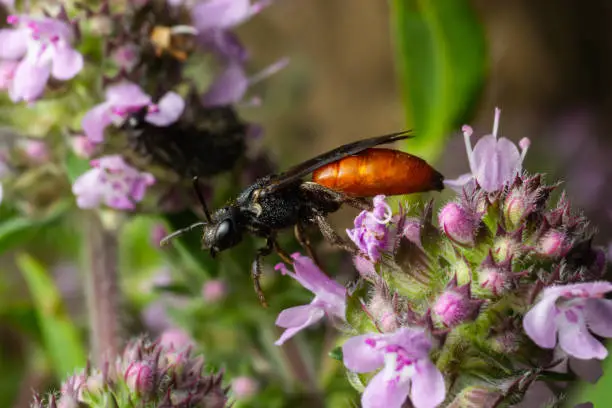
196,187
182,231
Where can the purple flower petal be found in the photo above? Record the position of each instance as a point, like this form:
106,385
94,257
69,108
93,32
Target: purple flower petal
599,316
170,108
67,62
29,81
359,354
14,43
576,341
428,388
86,189
495,162
219,14
228,88
126,94
140,186
95,121
460,182
119,202
539,322
381,393
296,319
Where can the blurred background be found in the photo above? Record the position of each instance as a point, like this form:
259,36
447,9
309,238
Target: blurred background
546,64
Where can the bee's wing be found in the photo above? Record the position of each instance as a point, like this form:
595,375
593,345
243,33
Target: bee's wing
283,179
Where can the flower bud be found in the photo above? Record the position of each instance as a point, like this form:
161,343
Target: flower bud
158,232
175,339
139,377
553,244
214,291
36,151
381,308
244,387
83,147
126,56
492,280
455,305
476,397
515,208
458,224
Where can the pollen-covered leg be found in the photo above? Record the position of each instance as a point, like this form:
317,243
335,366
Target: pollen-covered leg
304,241
256,270
333,237
322,194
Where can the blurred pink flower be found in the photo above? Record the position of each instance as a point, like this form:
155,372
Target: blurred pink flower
244,387
43,47
224,14
125,98
112,182
175,339
214,290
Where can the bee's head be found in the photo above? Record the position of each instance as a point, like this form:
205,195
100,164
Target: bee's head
223,233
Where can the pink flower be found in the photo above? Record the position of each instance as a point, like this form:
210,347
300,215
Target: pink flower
232,84
224,14
175,339
371,232
43,47
458,224
455,305
569,313
244,387
113,182
7,73
493,162
330,298
125,98
82,146
36,150
407,373
214,290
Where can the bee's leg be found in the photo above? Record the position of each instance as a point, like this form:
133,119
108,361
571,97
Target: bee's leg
282,253
304,241
322,193
256,270
333,237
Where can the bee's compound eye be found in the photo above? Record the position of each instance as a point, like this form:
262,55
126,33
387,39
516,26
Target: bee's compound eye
225,236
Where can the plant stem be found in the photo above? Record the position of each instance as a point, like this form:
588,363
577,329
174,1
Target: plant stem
103,295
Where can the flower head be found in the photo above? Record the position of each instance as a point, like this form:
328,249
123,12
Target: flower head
125,98
44,48
569,313
458,223
455,305
371,232
330,298
407,373
494,162
113,182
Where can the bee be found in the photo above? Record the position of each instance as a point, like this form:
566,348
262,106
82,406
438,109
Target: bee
345,175
209,143
177,41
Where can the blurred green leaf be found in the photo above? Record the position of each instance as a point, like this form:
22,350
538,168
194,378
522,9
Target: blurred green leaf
60,337
441,59
17,229
75,166
336,354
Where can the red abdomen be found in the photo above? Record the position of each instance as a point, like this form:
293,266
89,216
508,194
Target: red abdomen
379,171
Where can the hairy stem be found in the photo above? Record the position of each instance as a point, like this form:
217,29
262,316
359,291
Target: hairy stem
103,294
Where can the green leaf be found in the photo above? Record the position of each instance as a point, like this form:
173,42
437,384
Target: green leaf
17,230
441,59
336,354
60,336
75,166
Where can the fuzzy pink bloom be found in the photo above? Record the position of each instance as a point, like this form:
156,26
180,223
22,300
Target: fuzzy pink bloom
43,47
407,370
494,161
113,182
330,298
568,314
